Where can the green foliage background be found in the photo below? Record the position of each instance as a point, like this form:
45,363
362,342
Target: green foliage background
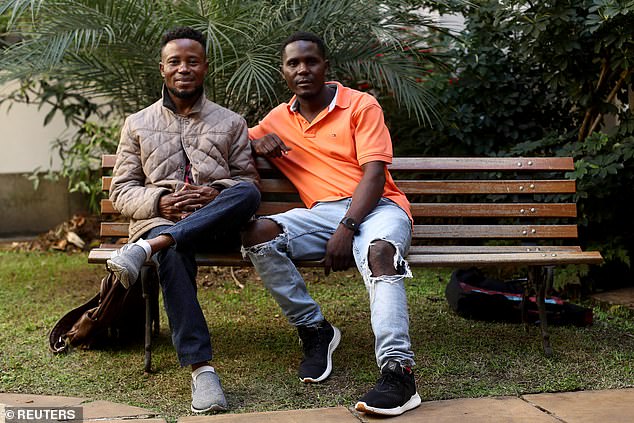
96,61
521,78
538,78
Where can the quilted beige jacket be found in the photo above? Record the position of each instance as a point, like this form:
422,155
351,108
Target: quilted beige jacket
155,146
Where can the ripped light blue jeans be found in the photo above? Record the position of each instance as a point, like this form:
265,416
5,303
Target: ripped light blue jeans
304,237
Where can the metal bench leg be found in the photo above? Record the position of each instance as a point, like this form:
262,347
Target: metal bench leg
146,285
526,293
154,291
542,279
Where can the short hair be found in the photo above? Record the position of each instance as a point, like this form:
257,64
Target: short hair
305,36
184,32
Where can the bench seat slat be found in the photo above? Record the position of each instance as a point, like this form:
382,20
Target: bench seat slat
501,259
416,260
118,229
459,249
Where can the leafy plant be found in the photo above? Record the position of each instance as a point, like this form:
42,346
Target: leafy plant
81,159
544,78
80,152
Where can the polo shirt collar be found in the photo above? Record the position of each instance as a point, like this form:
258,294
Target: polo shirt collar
341,98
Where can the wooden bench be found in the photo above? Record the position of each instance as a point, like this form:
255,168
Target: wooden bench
476,211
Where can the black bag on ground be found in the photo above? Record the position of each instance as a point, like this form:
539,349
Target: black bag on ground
473,295
113,315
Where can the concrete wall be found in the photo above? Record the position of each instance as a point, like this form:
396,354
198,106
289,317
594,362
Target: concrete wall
25,146
25,211
25,140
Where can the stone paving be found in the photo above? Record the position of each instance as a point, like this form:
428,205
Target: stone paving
102,411
623,297
609,406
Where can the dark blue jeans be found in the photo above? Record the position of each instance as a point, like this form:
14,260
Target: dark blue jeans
215,227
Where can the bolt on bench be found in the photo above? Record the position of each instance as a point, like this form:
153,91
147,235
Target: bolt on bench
471,211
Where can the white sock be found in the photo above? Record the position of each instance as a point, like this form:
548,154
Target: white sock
146,246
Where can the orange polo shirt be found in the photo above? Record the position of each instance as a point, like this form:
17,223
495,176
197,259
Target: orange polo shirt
327,153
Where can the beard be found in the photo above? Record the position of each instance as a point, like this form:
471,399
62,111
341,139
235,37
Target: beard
184,94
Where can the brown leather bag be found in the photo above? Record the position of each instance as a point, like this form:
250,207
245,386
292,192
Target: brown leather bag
113,314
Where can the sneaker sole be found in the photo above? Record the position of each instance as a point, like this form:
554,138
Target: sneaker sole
413,402
214,407
331,348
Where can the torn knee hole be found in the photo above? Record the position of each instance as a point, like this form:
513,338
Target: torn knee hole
381,258
260,232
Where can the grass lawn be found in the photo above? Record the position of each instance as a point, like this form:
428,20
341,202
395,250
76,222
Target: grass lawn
257,352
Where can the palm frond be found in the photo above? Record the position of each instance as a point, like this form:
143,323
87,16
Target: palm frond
255,75
395,75
18,10
109,48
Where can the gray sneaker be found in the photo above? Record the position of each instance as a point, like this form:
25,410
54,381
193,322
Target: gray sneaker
126,263
207,392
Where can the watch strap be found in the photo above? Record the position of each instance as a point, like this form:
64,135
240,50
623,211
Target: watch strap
350,223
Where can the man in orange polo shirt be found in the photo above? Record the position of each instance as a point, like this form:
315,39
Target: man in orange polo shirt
333,145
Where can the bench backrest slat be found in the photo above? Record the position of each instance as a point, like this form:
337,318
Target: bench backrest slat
268,185
464,164
473,200
487,187
118,229
494,231
525,210
432,187
488,249
114,229
448,163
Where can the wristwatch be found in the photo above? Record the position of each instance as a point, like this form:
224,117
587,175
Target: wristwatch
350,223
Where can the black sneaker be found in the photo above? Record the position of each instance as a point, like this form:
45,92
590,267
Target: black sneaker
318,343
394,393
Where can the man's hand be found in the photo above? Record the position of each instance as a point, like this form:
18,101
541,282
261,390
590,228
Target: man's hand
269,146
182,203
339,251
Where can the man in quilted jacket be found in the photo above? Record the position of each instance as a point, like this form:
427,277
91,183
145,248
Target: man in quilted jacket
185,177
